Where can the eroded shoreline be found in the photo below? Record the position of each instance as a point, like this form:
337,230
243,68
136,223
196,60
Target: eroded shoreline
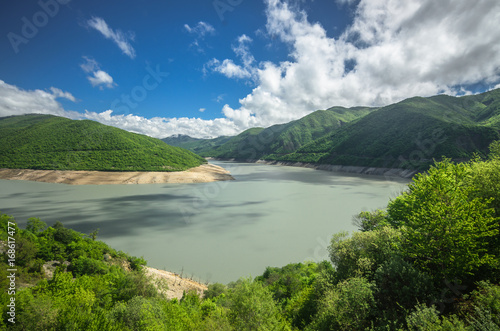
205,173
386,172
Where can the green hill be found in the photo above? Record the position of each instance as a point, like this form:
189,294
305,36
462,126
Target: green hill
278,139
195,145
50,142
410,133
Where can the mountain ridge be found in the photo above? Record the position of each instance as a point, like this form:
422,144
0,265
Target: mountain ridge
408,134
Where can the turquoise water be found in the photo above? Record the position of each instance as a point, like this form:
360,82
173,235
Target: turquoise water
268,216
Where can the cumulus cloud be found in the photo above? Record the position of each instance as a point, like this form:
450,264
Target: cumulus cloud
15,101
121,39
98,77
202,110
392,50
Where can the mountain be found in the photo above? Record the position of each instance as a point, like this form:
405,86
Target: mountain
410,134
50,142
285,138
407,134
196,145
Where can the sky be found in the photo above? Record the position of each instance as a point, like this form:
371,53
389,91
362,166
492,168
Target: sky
208,68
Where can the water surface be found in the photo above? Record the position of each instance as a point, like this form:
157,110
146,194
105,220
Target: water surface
268,216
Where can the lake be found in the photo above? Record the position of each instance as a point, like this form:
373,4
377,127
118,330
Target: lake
215,232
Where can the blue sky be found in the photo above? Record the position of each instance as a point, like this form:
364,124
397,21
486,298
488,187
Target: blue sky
210,68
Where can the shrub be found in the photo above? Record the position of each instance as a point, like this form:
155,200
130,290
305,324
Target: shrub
348,306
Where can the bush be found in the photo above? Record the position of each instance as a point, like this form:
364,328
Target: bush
86,266
427,319
399,287
348,306
363,252
214,290
252,308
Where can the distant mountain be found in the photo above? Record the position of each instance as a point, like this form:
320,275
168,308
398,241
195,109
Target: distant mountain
258,143
410,134
198,146
50,142
407,134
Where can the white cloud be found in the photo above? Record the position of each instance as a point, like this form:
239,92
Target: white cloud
101,78
121,39
98,77
220,98
202,110
200,29
232,70
15,101
58,93
392,50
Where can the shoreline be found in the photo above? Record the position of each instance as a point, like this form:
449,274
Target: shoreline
386,172
205,173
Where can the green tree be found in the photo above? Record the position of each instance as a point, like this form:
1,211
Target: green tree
348,306
35,225
495,150
362,253
368,221
252,308
425,318
445,228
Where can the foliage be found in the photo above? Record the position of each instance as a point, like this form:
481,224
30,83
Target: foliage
362,253
252,308
369,221
446,228
348,306
275,141
427,319
388,276
409,134
50,142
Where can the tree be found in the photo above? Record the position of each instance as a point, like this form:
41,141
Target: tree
253,308
93,234
445,228
35,225
362,253
348,306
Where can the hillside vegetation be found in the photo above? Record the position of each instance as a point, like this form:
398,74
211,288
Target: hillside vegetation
409,134
429,261
195,145
258,143
57,143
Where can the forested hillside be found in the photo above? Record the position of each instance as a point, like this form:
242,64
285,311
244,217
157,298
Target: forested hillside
285,138
429,261
195,145
409,134
57,143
